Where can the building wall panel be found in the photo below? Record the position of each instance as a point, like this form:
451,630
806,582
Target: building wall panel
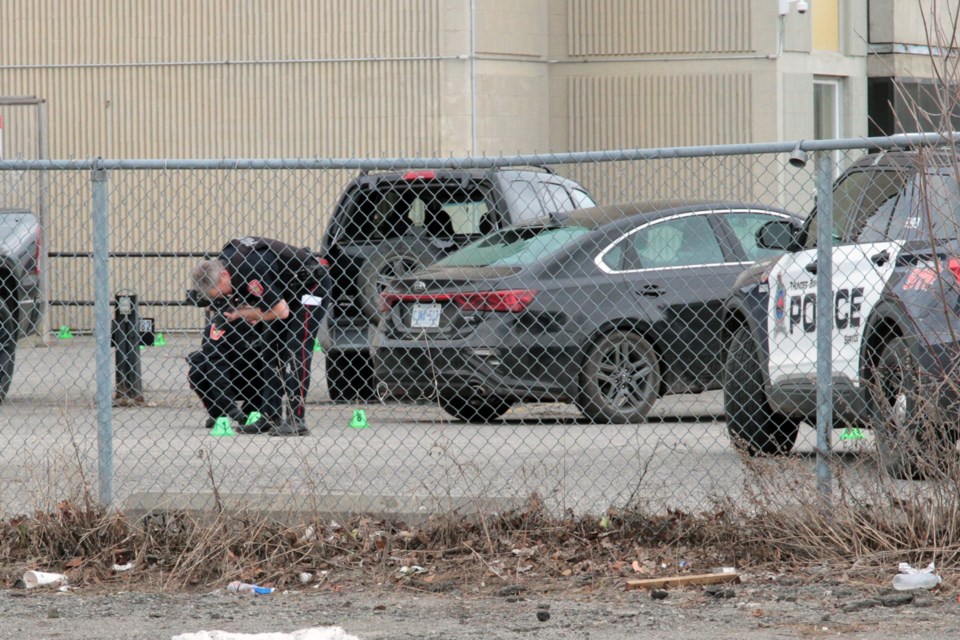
658,27
628,111
512,27
926,23
659,110
271,110
69,32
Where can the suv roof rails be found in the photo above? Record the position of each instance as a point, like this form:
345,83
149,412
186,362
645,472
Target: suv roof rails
536,167
520,167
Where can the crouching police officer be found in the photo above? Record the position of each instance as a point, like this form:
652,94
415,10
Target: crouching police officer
229,369
279,289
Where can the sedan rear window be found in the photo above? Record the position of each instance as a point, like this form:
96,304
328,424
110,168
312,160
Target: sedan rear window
516,246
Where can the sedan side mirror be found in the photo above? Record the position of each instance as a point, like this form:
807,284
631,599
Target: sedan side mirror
777,234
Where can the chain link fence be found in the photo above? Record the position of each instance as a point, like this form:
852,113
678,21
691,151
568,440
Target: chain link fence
481,329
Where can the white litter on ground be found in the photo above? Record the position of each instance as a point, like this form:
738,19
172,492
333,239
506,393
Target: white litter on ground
315,633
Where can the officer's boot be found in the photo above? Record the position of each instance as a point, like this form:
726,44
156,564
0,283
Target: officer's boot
288,427
252,423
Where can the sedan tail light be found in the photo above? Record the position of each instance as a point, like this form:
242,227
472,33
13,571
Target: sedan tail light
510,301
387,300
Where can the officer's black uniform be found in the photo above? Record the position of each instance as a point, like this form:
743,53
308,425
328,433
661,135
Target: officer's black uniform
227,369
260,278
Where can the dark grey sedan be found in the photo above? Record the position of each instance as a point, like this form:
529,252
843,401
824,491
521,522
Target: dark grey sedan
608,308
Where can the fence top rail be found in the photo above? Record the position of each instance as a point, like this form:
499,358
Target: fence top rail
483,162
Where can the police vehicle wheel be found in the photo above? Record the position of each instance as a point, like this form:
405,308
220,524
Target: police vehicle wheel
474,408
753,427
350,377
620,379
8,349
912,441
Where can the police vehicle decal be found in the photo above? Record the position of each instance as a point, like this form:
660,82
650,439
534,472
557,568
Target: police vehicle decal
858,282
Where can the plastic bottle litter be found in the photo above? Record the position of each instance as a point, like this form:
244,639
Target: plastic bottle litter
911,581
910,578
245,587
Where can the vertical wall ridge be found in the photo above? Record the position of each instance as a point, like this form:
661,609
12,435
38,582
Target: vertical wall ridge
657,27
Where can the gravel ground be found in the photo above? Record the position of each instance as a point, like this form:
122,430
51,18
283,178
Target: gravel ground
762,606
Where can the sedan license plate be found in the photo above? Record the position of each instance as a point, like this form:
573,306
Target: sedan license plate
425,316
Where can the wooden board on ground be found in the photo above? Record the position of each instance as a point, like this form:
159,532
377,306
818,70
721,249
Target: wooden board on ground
681,581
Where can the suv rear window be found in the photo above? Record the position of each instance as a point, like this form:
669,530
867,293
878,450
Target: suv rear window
935,213
397,209
855,201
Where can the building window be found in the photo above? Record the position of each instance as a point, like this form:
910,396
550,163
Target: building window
826,111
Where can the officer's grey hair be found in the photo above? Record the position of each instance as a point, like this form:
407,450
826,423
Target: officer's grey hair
206,275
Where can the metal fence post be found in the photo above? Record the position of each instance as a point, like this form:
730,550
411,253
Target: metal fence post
824,322
102,330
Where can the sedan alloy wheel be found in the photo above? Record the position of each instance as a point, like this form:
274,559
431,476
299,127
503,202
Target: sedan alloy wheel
620,379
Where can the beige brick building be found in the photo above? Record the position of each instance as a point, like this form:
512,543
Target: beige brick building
344,78
359,78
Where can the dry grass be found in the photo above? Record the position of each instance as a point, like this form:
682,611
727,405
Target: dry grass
781,523
175,551
869,523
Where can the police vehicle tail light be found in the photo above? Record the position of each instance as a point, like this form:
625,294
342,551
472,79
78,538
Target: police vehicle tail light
510,301
953,265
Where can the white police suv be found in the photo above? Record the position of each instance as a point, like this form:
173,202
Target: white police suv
895,317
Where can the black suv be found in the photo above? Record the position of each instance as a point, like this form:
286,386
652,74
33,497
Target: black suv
895,317
388,224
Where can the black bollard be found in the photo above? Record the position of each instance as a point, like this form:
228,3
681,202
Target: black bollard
126,339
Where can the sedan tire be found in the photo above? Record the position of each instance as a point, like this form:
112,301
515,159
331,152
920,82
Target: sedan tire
620,379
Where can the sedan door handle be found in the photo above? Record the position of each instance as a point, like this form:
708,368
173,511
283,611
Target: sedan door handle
881,258
651,291
812,267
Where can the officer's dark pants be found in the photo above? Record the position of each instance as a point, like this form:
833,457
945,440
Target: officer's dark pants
231,367
295,338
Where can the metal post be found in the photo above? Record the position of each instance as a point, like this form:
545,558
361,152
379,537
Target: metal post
44,220
824,322
126,338
101,312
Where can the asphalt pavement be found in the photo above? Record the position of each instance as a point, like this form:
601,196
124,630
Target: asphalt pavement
411,459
